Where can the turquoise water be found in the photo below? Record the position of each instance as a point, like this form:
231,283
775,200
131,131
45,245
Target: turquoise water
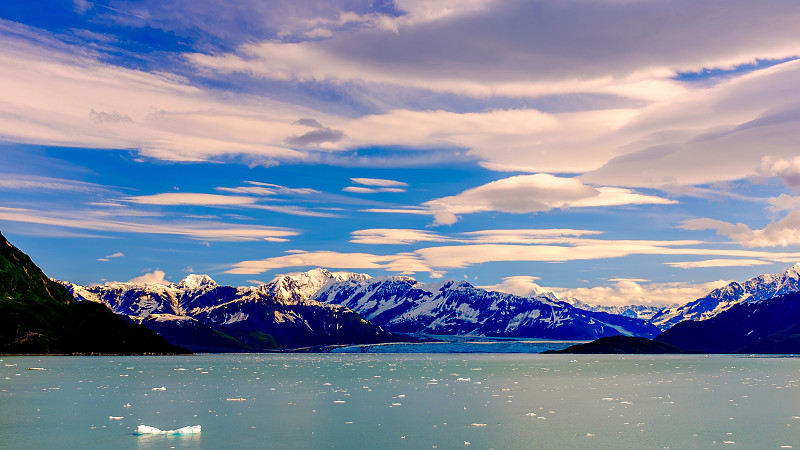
413,401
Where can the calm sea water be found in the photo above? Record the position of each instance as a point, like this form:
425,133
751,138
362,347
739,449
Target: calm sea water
413,401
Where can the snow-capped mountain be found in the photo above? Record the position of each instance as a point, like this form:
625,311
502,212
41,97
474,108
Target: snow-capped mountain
754,290
401,304
257,318
644,312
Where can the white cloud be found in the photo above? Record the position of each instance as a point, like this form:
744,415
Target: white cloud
376,185
684,134
739,128
522,285
439,258
497,48
781,233
59,95
784,202
366,190
380,182
787,169
113,255
155,277
718,263
630,292
185,198
533,193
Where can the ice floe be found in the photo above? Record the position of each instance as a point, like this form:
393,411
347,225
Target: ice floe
145,430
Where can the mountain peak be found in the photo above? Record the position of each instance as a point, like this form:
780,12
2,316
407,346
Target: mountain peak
195,281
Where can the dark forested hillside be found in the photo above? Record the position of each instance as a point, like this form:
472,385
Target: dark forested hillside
38,315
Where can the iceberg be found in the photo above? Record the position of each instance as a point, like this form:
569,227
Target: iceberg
145,429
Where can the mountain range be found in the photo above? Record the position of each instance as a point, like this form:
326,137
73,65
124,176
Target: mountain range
322,308
203,316
319,307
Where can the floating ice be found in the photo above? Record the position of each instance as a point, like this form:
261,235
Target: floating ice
162,388
114,417
144,429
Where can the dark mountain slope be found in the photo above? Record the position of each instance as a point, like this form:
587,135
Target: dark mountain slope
769,326
38,315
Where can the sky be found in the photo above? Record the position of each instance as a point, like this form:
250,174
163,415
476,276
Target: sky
616,151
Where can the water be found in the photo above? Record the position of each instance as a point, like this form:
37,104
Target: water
412,401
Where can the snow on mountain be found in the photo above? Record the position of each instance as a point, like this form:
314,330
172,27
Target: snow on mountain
644,312
303,285
195,282
254,317
401,304
754,290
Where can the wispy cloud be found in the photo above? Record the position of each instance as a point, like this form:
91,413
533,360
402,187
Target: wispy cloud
13,181
375,185
380,182
186,198
216,200
515,236
113,255
399,263
718,263
367,190
446,257
201,230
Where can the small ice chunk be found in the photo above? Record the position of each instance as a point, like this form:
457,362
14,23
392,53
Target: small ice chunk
114,417
162,388
145,429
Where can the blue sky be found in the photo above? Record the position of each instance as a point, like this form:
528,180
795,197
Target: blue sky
618,152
